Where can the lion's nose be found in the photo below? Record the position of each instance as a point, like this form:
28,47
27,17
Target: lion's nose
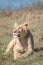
18,31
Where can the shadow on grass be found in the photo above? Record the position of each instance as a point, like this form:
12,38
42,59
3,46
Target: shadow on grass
39,49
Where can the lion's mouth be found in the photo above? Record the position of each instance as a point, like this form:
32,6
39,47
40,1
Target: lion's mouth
16,35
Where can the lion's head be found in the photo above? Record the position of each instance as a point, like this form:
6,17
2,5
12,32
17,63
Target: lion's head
20,30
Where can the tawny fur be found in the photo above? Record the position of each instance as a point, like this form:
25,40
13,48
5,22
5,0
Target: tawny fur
23,42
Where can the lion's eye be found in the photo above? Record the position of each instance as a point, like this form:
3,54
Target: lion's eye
21,29
14,31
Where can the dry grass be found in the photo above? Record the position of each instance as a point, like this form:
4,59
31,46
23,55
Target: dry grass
35,20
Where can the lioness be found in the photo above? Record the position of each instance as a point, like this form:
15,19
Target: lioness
22,42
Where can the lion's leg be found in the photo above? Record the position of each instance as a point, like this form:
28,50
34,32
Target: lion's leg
17,55
10,45
29,49
28,52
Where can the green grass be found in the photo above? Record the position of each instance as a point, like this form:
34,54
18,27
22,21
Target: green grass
35,59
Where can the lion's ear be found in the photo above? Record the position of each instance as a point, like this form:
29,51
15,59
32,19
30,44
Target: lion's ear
15,25
26,23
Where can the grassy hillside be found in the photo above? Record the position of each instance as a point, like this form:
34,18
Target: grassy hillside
35,20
